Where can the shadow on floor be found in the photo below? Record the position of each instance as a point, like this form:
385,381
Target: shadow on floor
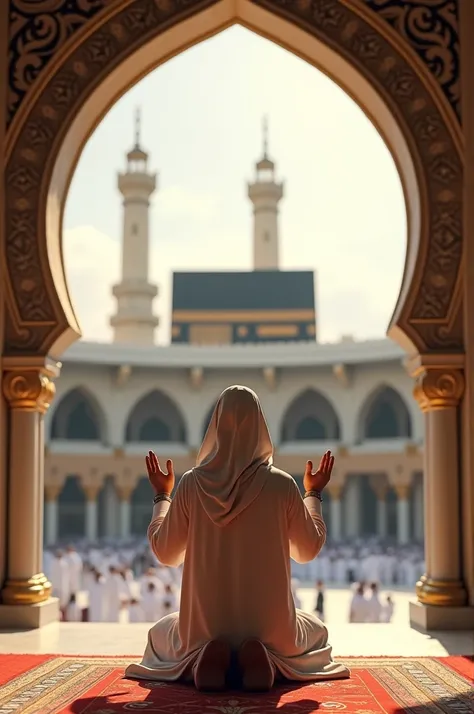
185,699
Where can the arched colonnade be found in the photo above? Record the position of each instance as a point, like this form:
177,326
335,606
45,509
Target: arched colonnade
59,93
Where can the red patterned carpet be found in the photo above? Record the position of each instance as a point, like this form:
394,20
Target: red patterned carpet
48,684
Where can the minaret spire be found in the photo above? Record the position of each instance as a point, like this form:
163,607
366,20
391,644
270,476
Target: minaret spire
265,193
138,126
265,136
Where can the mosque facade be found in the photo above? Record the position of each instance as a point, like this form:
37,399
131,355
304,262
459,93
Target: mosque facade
115,401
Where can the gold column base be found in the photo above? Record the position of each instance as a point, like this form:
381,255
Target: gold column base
443,593
47,586
27,592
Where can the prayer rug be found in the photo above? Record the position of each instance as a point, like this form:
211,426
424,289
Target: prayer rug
49,684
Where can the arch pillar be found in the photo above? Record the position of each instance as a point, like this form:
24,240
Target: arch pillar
441,591
380,489
125,487
335,488
51,494
91,491
26,599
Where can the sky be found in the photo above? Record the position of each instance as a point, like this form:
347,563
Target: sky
342,215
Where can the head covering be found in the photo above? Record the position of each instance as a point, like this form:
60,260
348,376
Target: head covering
233,461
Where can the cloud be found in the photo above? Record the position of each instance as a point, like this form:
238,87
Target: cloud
92,261
93,266
352,312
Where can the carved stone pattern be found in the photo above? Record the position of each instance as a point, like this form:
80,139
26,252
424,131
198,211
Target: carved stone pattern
438,388
331,21
405,92
37,31
431,28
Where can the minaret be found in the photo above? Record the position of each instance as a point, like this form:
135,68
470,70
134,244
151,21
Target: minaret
265,194
134,321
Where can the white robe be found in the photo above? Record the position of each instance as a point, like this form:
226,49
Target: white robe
60,581
374,609
74,563
73,612
169,603
116,592
358,608
236,582
97,600
152,606
146,579
135,613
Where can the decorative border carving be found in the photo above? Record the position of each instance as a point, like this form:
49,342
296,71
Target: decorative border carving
38,30
431,29
118,37
411,102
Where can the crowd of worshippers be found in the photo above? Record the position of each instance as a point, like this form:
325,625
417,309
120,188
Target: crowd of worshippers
367,606
110,586
370,561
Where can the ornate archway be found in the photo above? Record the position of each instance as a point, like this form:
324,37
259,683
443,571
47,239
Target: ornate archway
310,417
155,418
78,417
70,61
384,415
103,48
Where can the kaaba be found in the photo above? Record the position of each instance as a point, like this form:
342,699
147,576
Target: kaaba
231,307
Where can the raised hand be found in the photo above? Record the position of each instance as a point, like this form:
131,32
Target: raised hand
317,480
161,482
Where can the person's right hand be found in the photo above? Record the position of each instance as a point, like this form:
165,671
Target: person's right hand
316,481
161,482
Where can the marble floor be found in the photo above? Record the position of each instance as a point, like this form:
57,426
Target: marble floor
394,639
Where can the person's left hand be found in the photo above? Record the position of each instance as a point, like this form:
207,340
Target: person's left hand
316,481
161,482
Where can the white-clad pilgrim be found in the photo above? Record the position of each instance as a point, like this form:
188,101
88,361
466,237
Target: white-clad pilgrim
235,521
358,607
374,606
135,611
151,602
169,601
60,580
97,597
73,611
150,576
116,594
74,563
